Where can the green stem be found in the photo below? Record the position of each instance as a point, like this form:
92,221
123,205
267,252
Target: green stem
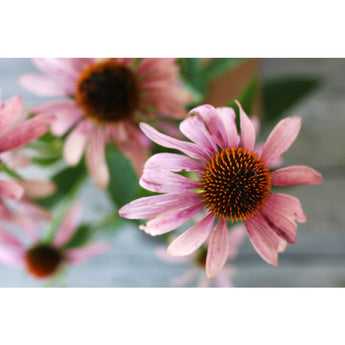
10,172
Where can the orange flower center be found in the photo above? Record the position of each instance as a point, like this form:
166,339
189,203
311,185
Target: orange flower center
43,260
235,184
108,92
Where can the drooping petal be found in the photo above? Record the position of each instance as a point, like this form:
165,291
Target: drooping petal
281,138
8,239
95,159
193,238
151,206
65,119
37,188
12,256
213,123
80,255
189,149
68,226
42,85
263,238
218,248
172,162
228,118
194,129
223,278
295,175
287,205
75,143
25,132
247,130
161,254
163,181
11,189
170,220
9,112
52,107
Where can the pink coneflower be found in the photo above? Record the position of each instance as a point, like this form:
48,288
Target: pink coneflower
198,261
43,259
16,132
104,101
231,183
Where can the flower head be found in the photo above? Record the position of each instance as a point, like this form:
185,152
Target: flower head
198,261
43,259
104,100
228,179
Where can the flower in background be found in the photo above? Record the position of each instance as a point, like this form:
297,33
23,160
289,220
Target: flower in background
198,260
15,132
228,180
43,259
104,101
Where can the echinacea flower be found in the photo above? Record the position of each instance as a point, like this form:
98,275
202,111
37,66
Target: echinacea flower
229,181
104,101
43,259
198,261
15,132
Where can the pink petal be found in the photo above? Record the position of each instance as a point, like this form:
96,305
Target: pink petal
8,239
162,181
194,129
53,107
170,220
281,138
247,130
189,149
283,226
80,255
68,226
161,254
42,85
185,278
9,112
223,278
263,238
287,205
65,119
12,256
37,188
95,159
296,175
151,206
193,238
228,118
172,162
218,248
26,132
213,123
75,143
236,237
11,189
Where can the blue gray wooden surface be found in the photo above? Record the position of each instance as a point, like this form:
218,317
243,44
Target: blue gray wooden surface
317,260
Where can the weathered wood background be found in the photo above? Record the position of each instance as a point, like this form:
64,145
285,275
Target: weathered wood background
317,260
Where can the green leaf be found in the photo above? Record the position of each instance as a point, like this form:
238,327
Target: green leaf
65,180
217,67
45,161
281,94
82,236
190,70
123,184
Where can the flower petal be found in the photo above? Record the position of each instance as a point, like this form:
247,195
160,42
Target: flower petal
65,119
25,132
223,278
218,248
163,181
189,149
37,188
228,118
295,175
161,254
75,143
9,112
172,162
11,189
12,256
170,220
213,123
193,238
8,239
263,238
287,205
247,130
151,206
194,129
80,255
68,226
236,237
281,138
95,159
